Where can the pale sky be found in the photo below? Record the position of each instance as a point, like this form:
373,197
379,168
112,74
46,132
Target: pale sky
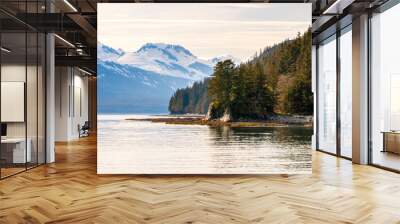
207,30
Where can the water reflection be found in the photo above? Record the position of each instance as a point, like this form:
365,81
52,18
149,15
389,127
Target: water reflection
294,134
234,144
146,147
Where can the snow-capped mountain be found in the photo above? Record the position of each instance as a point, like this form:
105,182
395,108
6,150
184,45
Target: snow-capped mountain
164,59
172,60
143,81
105,53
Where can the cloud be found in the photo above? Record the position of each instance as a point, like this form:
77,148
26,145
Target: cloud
205,29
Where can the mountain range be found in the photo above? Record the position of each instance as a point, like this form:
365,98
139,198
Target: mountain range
143,81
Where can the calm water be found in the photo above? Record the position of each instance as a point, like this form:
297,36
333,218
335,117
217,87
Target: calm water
142,147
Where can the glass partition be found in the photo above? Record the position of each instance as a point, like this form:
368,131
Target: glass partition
22,77
346,92
13,109
31,98
385,89
327,95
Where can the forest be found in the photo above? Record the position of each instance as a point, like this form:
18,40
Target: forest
277,80
191,100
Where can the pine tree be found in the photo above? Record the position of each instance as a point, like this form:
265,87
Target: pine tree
276,80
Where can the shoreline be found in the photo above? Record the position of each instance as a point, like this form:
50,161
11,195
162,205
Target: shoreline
275,121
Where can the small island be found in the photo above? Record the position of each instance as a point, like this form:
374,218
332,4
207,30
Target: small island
274,121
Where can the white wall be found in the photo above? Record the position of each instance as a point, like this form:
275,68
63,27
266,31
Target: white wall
14,73
33,126
71,94
80,104
62,82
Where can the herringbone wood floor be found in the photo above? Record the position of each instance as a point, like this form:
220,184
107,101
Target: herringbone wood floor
69,191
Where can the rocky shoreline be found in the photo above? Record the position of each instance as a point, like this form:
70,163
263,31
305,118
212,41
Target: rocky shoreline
272,121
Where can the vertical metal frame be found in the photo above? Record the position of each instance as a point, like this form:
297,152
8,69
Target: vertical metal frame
44,71
37,91
0,93
369,100
69,91
73,91
338,76
316,116
26,87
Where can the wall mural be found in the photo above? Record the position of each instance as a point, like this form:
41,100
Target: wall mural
204,88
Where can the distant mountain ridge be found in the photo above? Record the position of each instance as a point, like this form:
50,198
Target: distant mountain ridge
143,81
165,59
106,53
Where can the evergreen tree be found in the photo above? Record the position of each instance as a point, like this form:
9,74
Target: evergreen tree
276,80
193,99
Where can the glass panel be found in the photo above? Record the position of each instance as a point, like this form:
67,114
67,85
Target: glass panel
327,96
13,87
346,93
385,84
23,90
32,89
31,98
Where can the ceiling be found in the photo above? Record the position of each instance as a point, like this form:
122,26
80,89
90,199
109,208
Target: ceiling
75,21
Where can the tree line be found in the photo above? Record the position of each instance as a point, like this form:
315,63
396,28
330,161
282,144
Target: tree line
193,99
276,81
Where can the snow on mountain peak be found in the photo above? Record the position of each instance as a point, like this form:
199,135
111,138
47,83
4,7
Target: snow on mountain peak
107,53
166,47
168,59
165,59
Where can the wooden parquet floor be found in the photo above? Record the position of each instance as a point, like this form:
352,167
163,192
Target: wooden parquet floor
69,191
